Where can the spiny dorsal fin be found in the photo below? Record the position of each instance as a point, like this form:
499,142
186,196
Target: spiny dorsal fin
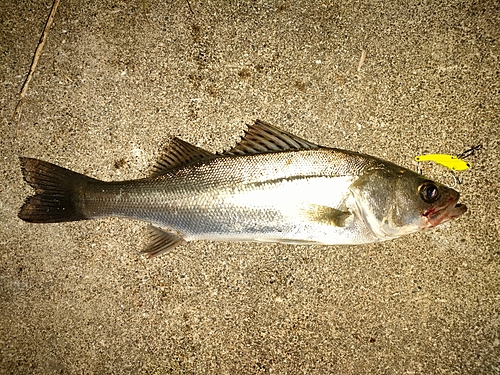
161,241
178,154
262,137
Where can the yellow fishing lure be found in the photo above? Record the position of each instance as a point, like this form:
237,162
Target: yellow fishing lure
452,162
449,161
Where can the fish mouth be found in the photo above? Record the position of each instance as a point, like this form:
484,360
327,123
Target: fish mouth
448,211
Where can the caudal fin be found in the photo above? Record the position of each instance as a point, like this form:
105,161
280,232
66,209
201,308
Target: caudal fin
58,192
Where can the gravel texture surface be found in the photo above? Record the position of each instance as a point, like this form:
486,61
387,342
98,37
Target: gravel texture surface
118,79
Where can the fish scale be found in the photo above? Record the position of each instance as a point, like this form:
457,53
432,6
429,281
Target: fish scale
224,187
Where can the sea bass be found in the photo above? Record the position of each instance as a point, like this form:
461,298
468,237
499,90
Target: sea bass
271,187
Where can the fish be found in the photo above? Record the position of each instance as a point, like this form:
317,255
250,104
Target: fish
272,186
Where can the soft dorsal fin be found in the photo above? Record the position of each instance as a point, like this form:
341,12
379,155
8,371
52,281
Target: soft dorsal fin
178,154
262,137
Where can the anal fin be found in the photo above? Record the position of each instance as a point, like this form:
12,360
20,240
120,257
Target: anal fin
161,241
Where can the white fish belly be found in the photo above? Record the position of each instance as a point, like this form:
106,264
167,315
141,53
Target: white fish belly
276,211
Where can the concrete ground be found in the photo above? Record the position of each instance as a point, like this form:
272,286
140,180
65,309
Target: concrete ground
118,79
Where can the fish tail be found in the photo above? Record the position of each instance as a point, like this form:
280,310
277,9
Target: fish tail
58,192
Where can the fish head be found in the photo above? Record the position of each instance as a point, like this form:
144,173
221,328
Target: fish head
394,201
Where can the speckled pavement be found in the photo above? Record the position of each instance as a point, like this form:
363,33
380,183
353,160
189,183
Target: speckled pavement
118,79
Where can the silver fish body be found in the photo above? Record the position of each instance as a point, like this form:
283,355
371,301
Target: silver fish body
271,187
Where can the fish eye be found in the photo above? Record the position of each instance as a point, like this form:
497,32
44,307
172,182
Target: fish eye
429,192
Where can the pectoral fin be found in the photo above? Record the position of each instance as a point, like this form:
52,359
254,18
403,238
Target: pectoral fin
161,241
326,215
